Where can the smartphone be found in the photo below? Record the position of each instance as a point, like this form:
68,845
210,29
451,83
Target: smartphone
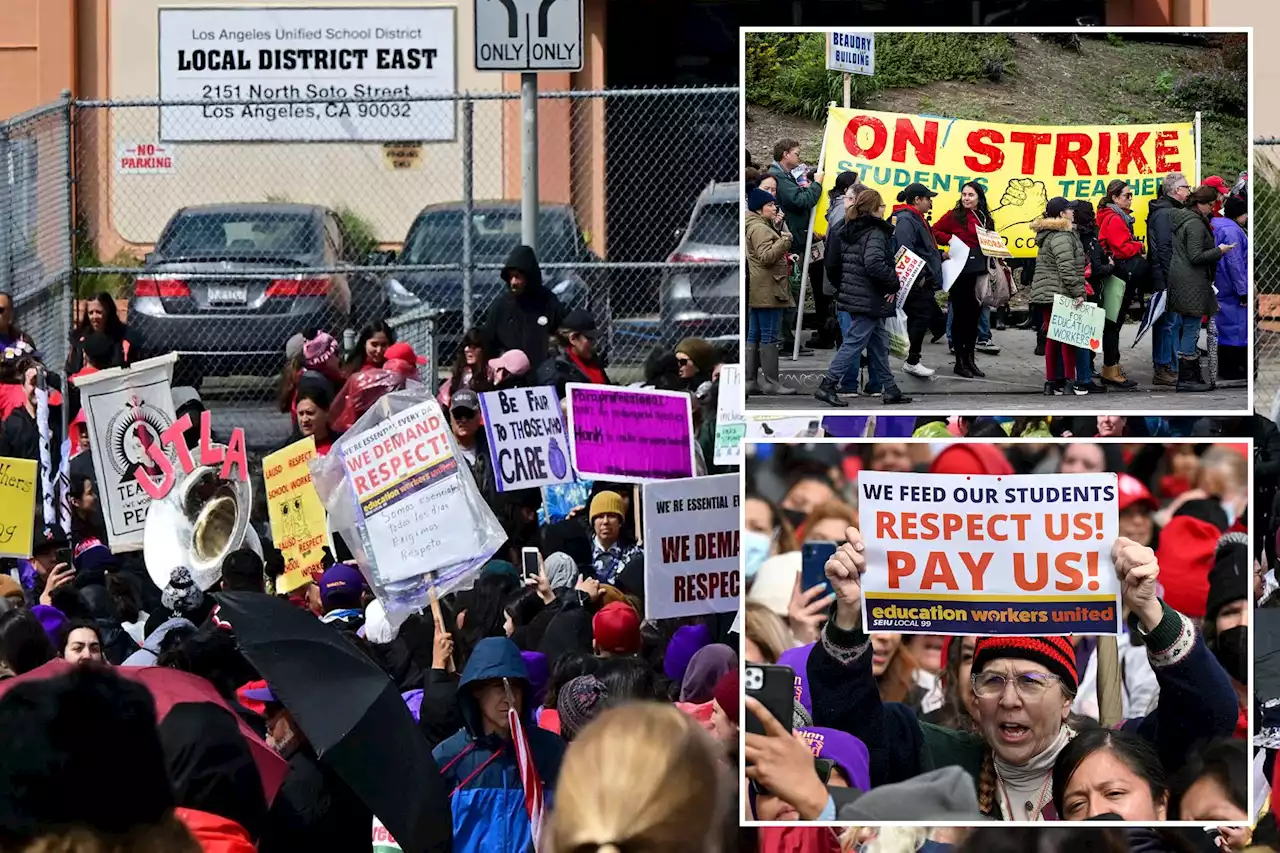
65,555
774,687
529,562
813,565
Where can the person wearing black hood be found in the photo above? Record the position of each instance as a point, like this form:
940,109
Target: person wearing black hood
526,316
1226,616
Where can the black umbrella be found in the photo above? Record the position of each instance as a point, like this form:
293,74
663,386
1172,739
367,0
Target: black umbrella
350,711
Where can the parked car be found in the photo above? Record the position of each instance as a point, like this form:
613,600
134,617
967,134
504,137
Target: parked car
436,238
238,325
704,301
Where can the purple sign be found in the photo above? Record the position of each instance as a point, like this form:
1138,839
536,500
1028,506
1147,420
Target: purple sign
630,435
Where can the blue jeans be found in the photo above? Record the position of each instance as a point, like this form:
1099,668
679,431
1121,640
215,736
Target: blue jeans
1083,372
1164,336
853,373
864,333
1188,335
763,325
984,324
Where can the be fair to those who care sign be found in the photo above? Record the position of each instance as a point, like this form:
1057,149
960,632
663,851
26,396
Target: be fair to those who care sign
988,555
528,441
691,543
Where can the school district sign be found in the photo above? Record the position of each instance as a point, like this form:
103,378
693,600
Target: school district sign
381,55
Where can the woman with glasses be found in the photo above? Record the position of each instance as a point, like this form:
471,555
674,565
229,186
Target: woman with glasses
697,359
1115,231
576,357
1022,693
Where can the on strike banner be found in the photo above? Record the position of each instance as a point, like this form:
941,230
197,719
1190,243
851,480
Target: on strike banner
297,515
630,435
731,421
18,497
127,409
987,555
528,442
1021,166
691,536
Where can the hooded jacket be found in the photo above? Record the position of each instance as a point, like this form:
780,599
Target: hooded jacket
867,271
117,645
1116,236
150,651
216,834
911,231
768,271
527,321
1059,263
1195,261
480,769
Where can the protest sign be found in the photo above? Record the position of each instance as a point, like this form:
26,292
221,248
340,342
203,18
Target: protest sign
528,442
630,435
908,265
992,244
957,257
18,498
731,421
1021,166
127,409
987,555
691,536
1080,327
409,495
297,516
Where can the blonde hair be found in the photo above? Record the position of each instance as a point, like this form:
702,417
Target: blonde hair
898,839
767,630
170,835
662,789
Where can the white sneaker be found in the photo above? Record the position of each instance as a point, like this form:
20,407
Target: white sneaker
919,370
988,347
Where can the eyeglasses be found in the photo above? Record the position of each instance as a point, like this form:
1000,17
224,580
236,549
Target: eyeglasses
1127,195
1029,685
682,361
464,414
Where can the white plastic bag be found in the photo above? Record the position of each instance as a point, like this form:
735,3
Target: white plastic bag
406,503
896,326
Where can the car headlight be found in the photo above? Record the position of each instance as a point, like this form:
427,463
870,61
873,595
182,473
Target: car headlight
681,288
400,297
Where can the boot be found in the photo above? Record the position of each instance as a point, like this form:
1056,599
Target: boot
1164,375
973,364
827,393
769,380
1189,375
1210,383
1114,375
751,368
962,365
895,398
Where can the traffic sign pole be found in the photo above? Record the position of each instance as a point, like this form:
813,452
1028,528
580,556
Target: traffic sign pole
529,160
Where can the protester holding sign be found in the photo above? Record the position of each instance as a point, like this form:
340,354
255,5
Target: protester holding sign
1060,270
911,231
962,222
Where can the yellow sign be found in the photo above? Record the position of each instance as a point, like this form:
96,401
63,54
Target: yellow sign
18,505
298,522
402,155
1020,166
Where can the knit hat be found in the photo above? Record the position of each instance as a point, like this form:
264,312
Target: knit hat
605,503
848,752
181,595
1186,555
971,459
561,570
705,670
1234,208
51,619
758,198
798,659
502,568
616,629
1053,653
535,664
1133,491
1055,207
316,351
1203,195
685,643
1229,578
701,353
580,700
945,794
728,695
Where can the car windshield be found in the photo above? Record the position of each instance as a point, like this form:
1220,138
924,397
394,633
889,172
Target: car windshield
716,224
239,234
436,238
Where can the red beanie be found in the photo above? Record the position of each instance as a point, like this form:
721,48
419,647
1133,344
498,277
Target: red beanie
1186,553
616,629
726,694
1055,654
971,459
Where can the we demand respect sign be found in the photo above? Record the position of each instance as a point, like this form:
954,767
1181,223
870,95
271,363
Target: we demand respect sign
986,555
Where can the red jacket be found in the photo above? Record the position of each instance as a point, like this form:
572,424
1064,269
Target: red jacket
799,839
1116,237
952,223
216,834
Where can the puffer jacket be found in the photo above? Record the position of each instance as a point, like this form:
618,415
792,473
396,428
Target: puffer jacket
1059,263
1195,261
796,203
768,273
867,271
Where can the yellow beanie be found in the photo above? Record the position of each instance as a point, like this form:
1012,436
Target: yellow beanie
606,502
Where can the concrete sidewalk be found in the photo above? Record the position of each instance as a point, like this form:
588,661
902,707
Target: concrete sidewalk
1014,382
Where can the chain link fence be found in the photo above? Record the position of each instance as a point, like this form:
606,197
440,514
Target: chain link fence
1265,234
223,250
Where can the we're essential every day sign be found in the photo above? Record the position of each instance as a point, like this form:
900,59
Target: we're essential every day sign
988,555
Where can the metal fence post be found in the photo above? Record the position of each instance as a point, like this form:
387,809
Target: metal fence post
68,279
468,208
529,160
7,179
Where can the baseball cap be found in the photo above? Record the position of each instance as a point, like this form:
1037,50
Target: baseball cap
49,536
403,352
1217,183
465,399
340,579
579,321
1132,491
915,191
616,629
513,361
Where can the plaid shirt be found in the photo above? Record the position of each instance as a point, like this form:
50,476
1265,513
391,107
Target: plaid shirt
609,561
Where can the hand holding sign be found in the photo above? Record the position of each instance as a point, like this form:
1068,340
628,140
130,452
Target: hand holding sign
845,570
1137,570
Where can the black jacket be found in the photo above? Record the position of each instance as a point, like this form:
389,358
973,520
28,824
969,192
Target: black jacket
525,322
560,371
20,439
866,268
1100,263
1160,241
910,230
315,810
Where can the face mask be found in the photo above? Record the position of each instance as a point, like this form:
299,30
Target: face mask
1231,649
795,516
755,550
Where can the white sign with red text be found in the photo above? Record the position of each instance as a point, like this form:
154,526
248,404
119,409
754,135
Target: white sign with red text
691,542
144,158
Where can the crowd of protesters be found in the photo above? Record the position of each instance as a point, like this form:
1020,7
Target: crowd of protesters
1191,273
567,645
923,719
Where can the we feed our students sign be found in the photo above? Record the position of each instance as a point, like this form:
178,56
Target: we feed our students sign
989,555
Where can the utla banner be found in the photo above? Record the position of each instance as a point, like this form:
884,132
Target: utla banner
298,521
1081,327
691,543
18,498
987,555
127,409
630,435
1021,166
731,420
528,441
